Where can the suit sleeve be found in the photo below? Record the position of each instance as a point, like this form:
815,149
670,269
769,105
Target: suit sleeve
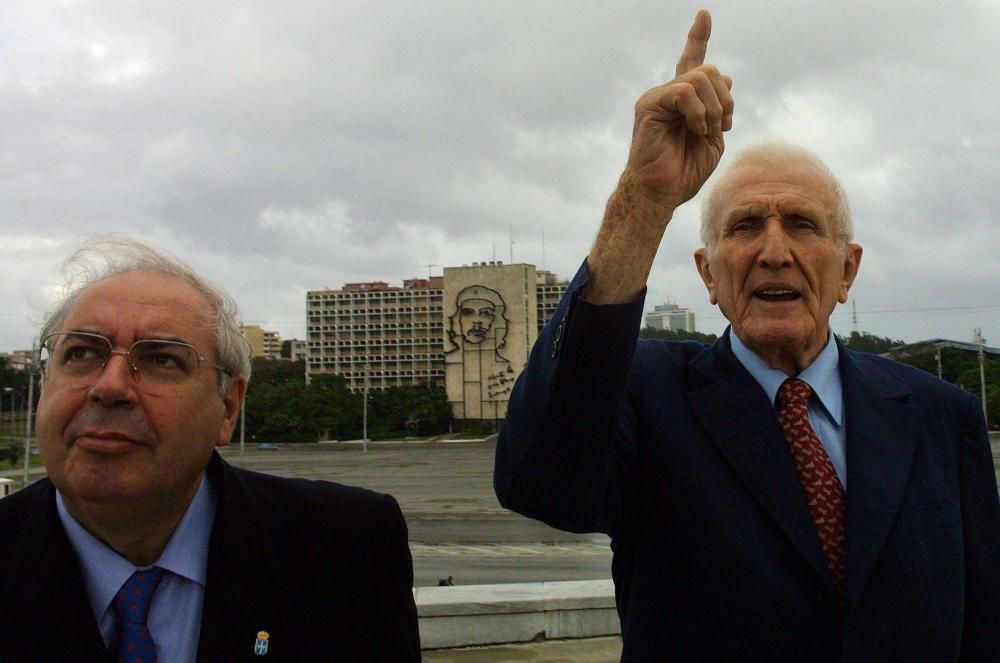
398,636
981,530
566,453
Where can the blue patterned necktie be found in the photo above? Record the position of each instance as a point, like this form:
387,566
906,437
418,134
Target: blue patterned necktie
134,642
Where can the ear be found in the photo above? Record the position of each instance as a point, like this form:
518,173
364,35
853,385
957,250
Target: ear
704,269
852,261
232,403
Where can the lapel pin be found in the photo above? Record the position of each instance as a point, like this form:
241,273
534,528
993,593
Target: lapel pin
260,645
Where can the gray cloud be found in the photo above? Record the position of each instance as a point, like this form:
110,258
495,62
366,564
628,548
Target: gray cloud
281,147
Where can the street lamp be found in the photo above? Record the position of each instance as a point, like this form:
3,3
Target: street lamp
32,368
978,338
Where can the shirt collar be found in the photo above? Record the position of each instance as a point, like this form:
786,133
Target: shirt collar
186,554
822,376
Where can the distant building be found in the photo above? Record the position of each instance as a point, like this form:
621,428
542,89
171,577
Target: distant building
18,360
468,331
910,350
294,350
377,335
263,343
671,317
548,291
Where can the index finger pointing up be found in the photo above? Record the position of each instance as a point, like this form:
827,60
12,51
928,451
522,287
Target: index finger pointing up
697,43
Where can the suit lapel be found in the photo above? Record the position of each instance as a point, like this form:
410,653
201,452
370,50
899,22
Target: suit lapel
882,432
735,412
241,564
45,586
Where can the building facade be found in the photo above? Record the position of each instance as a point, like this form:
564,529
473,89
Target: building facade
377,335
18,360
263,343
468,331
671,317
293,349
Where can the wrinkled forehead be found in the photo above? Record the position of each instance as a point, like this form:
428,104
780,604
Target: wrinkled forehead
800,179
143,304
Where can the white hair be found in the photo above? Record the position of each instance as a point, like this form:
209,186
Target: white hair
104,256
770,152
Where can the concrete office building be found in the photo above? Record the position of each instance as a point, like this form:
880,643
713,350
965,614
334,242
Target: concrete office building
671,317
469,331
376,334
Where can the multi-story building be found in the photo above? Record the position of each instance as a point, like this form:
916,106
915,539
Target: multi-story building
294,349
263,343
376,334
672,317
435,331
18,360
548,291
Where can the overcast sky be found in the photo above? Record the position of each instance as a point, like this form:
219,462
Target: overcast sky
281,147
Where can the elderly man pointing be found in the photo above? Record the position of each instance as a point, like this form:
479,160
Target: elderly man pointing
143,544
776,496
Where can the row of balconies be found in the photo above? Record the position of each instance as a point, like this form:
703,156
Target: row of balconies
401,358
359,376
376,311
374,343
384,325
374,301
376,335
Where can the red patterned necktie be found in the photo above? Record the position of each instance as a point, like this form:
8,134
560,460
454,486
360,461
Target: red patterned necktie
134,642
823,489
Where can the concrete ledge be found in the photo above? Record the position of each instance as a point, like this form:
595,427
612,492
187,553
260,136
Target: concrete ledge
466,615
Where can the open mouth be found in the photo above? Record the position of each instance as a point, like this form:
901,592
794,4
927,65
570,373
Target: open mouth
777,294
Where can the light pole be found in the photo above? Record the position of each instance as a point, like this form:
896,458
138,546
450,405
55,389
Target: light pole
982,372
364,416
243,427
32,367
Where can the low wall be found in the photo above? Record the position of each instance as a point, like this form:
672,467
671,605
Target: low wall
466,615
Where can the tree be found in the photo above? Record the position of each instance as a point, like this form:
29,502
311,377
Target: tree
408,410
15,400
961,367
865,342
276,371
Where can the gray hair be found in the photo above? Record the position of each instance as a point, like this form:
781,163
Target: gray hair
104,256
771,152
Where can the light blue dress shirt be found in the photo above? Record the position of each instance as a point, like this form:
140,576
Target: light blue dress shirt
175,614
826,409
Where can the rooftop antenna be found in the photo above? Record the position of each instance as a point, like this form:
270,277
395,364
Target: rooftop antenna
543,250
429,265
854,314
511,236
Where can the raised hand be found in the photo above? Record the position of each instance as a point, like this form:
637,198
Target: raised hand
677,138
676,144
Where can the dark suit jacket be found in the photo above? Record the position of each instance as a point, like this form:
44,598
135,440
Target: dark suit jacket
323,568
674,450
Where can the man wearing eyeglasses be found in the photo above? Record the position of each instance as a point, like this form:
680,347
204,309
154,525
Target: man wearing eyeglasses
143,544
